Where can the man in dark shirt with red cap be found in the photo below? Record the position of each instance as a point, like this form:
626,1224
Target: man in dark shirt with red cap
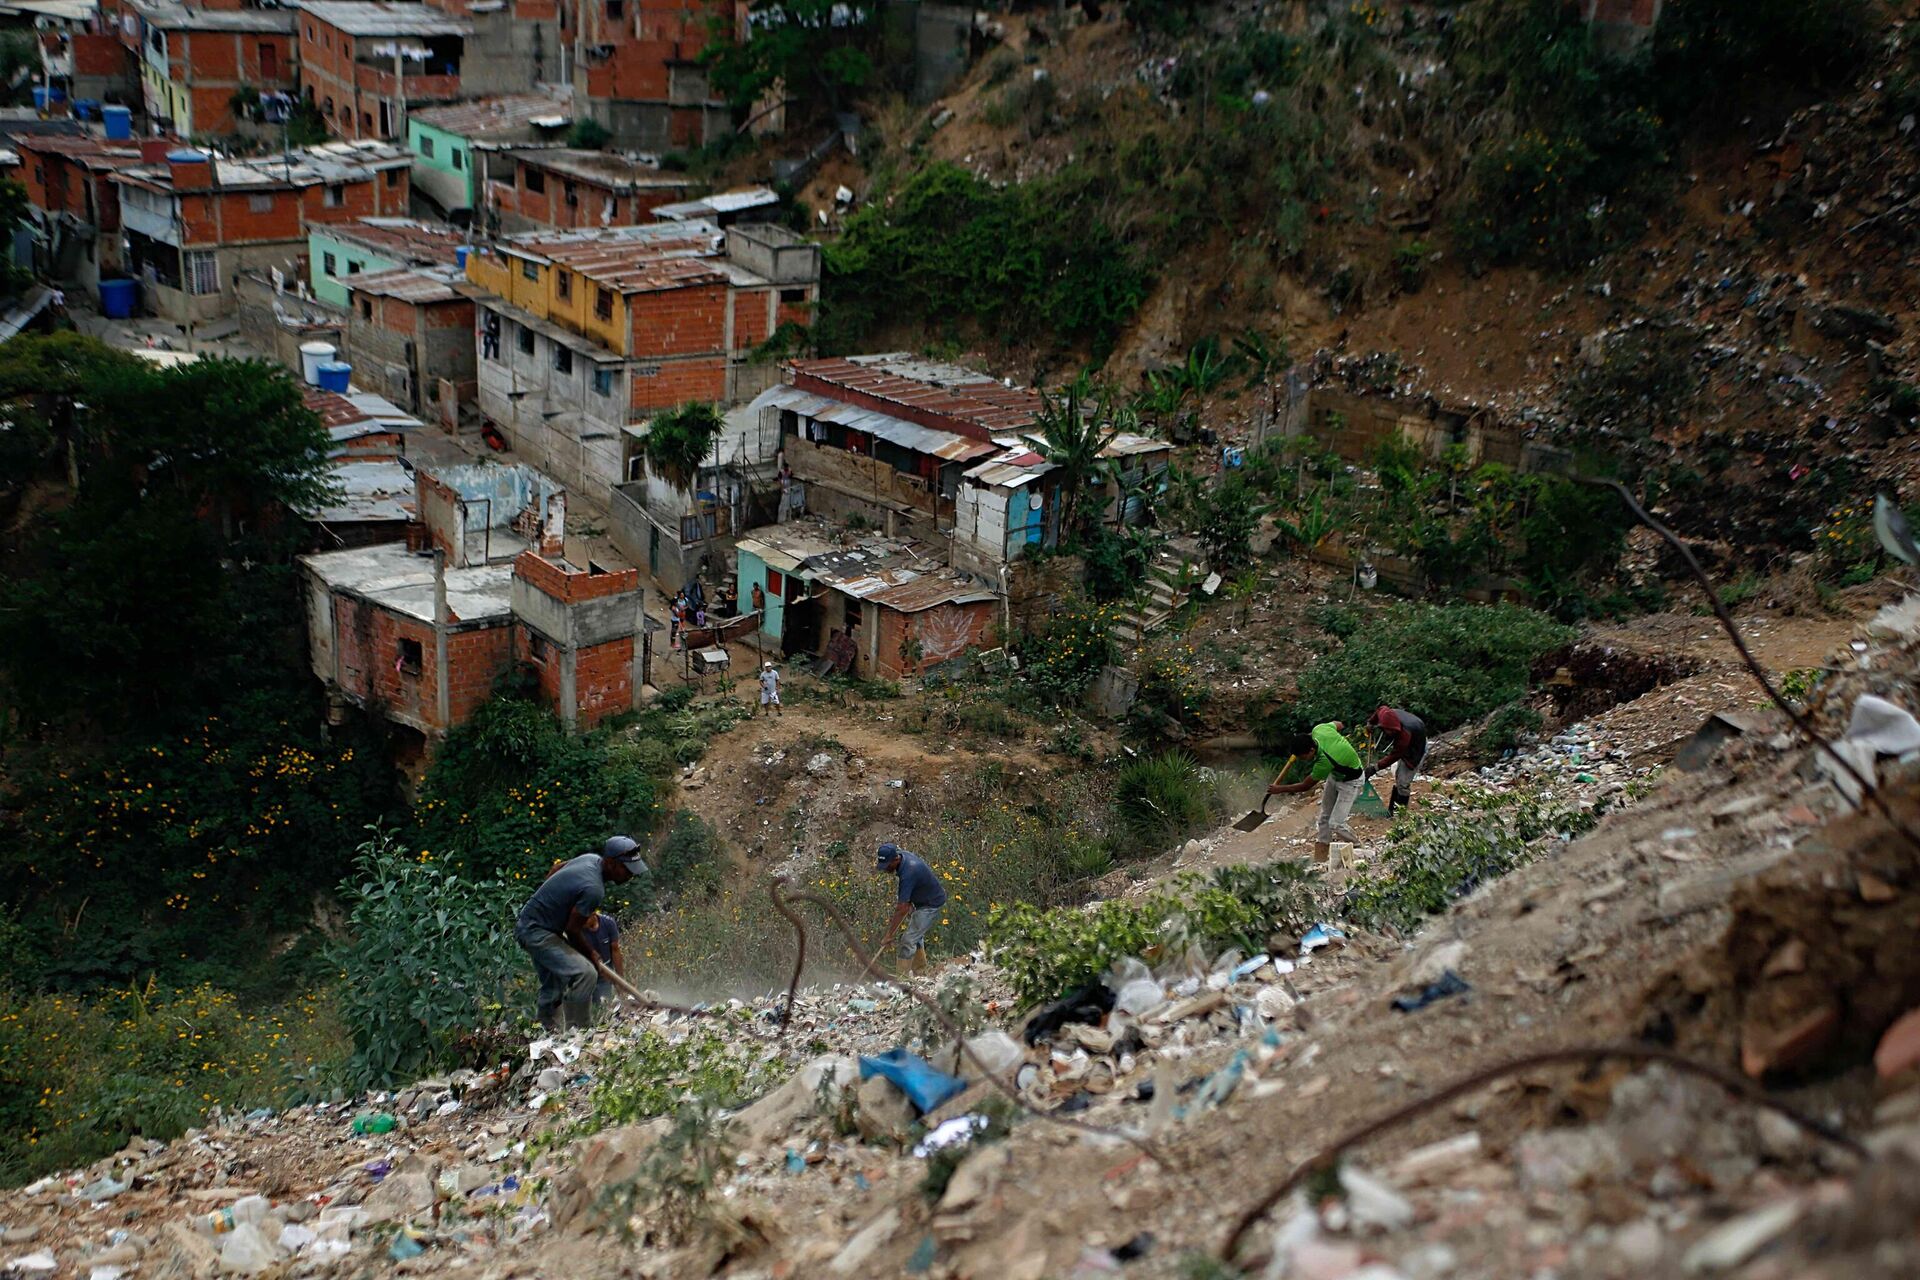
1408,733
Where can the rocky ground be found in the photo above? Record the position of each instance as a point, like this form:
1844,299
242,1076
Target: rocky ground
1741,913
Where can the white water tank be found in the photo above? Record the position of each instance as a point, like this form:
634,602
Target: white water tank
312,356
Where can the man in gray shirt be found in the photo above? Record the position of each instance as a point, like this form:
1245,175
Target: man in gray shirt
552,929
921,898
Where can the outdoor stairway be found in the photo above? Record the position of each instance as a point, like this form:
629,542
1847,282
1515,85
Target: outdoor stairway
1169,584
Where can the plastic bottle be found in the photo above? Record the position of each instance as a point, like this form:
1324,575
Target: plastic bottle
247,1211
378,1122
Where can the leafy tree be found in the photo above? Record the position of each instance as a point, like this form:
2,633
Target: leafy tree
1073,431
678,442
816,51
514,790
589,134
163,590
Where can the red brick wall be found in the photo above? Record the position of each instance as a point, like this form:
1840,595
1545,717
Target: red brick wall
603,680
800,313
936,629
327,68
570,587
456,314
685,321
546,668
98,54
475,661
680,381
749,317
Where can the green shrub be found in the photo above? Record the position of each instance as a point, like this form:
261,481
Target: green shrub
1435,855
651,1075
677,1178
1446,663
1060,659
429,954
1034,258
1504,729
1115,563
513,790
687,863
1164,798
1046,953
79,1076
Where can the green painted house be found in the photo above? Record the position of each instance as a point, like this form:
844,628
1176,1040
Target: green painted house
339,251
451,143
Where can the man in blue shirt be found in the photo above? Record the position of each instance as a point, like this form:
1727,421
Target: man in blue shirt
603,935
921,898
552,929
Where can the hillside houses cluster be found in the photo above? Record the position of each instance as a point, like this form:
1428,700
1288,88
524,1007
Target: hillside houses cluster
449,261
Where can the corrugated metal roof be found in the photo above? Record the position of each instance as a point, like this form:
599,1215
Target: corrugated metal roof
908,435
496,116
373,18
722,202
969,397
930,590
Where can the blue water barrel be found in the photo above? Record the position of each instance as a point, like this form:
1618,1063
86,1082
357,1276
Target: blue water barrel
39,97
85,108
117,299
336,375
56,94
460,256
118,122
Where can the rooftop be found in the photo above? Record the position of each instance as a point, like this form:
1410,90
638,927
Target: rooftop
894,572
170,15
83,150
496,117
661,255
604,168
718,204
367,490
371,18
392,577
354,408
404,238
408,284
961,395
327,163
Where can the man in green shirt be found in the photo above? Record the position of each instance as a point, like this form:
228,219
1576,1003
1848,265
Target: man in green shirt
1336,766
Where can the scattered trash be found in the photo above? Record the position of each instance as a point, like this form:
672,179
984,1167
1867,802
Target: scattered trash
1449,984
1138,1247
796,1163
379,1122
102,1189
1321,935
1888,729
1247,968
925,1087
405,1246
37,1262
950,1133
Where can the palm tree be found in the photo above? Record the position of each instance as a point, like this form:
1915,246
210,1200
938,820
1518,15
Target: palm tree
1262,360
1073,433
678,441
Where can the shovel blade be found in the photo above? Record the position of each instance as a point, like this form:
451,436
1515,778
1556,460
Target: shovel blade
1252,819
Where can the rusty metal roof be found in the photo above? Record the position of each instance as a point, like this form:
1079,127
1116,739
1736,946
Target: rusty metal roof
968,397
405,238
493,117
407,284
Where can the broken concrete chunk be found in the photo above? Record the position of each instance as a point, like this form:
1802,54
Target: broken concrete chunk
854,1256
400,1196
882,1112
777,1112
1736,1241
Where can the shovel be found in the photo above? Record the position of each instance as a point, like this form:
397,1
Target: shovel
1254,817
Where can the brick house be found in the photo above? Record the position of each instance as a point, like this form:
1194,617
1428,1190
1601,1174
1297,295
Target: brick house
636,70
191,60
339,251
884,606
566,188
410,333
582,335
75,205
455,146
194,221
419,631
363,63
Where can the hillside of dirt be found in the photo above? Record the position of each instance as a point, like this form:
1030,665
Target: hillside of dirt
1732,907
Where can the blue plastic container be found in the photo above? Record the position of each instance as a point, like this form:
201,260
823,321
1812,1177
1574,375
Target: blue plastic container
40,98
460,256
118,122
336,375
85,108
118,299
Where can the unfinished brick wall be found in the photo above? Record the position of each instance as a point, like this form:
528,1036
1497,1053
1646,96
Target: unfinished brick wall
476,659
943,632
603,680
570,586
684,321
671,383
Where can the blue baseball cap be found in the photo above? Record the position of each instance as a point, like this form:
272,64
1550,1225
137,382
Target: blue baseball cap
888,852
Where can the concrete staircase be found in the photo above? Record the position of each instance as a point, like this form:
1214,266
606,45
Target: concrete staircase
1170,581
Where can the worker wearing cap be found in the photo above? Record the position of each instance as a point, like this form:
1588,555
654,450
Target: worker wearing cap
1336,771
552,929
1409,734
921,898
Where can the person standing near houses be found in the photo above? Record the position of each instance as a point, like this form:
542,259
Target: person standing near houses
921,898
770,688
552,930
1337,769
1409,734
